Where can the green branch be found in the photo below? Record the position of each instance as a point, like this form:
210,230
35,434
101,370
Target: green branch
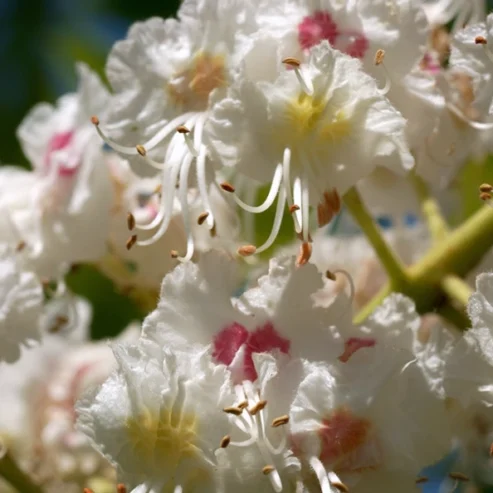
431,210
393,266
11,472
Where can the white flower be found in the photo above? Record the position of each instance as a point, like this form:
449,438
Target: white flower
443,11
51,210
166,76
159,419
137,205
313,132
196,309
21,301
359,29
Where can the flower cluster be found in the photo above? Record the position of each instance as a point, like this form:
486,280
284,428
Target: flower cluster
338,363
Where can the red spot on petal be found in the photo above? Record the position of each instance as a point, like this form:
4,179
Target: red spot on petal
262,340
58,142
353,43
353,344
227,342
342,434
315,28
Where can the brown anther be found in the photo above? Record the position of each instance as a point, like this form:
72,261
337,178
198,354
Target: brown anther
247,250
485,196
130,221
121,488
458,476
480,40
486,187
158,189
87,490
213,231
183,130
225,441
243,405
305,254
131,242
227,187
233,410
95,120
421,480
60,321
294,208
292,62
339,485
330,275
279,421
268,469
257,407
141,149
20,246
174,254
379,56
328,207
202,217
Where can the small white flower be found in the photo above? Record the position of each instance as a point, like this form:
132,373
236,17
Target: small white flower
358,29
159,419
313,132
166,77
21,301
52,209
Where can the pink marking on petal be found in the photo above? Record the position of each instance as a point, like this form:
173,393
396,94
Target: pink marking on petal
228,341
341,434
353,344
263,340
353,43
60,141
315,28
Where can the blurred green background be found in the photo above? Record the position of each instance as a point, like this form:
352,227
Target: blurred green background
41,39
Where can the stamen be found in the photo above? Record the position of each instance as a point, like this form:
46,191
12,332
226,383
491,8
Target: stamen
233,410
227,187
286,165
183,195
87,490
337,483
60,321
273,192
20,246
276,226
486,188
130,221
174,254
202,184
379,57
141,150
421,480
485,196
329,206
281,420
476,125
188,140
305,83
305,207
121,488
202,217
243,405
95,120
458,476
131,242
480,40
247,250
257,407
294,208
298,199
304,254
225,441
321,474
268,469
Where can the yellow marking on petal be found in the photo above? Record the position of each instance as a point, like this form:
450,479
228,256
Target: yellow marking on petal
166,435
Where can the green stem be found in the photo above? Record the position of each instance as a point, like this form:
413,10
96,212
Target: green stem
456,289
11,472
431,210
456,317
391,263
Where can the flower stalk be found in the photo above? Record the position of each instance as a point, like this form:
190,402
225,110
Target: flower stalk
10,471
